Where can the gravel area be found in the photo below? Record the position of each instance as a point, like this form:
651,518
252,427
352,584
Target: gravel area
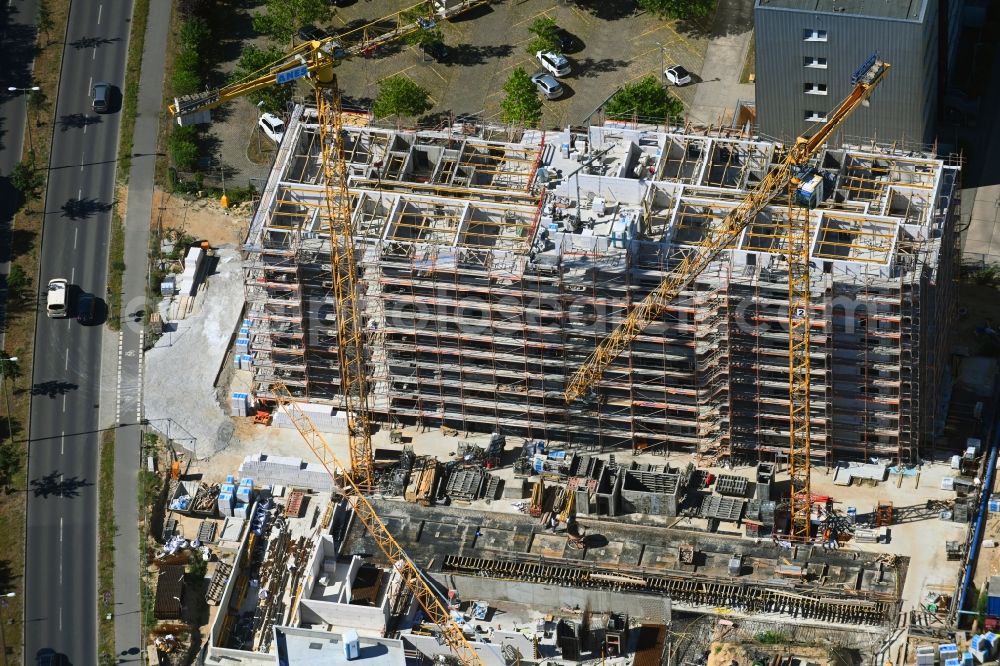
182,367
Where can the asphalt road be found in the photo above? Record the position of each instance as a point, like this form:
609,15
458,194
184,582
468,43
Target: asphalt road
61,602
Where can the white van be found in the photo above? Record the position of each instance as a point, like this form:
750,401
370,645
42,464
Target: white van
57,301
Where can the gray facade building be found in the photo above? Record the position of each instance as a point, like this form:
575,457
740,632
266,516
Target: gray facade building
806,51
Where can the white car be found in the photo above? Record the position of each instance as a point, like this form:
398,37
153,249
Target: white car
57,298
555,63
272,126
677,75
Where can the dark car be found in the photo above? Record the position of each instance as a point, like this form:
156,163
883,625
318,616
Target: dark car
86,308
437,51
49,657
310,33
568,42
103,94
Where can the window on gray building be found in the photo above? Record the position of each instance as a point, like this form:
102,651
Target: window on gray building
814,35
814,116
814,62
815,88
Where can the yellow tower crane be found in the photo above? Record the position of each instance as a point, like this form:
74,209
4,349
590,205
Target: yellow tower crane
786,176
314,61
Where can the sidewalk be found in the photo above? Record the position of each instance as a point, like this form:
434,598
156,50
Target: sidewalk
720,88
128,615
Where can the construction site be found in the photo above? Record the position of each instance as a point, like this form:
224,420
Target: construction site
617,392
492,269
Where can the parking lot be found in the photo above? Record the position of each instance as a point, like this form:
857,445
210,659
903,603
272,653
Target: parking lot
614,47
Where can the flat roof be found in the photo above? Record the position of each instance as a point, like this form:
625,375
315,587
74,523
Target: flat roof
307,647
890,9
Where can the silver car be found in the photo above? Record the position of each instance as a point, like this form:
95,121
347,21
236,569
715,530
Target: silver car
547,85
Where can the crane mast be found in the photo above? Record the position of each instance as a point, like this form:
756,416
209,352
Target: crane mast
797,234
315,62
428,598
351,353
782,177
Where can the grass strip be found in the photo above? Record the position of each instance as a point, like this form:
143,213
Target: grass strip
130,101
106,548
148,491
116,270
19,325
162,169
750,62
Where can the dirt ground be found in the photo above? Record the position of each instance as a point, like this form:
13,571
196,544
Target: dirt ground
204,218
724,654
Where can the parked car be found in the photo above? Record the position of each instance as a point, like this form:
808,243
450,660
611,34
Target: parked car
554,63
437,51
310,33
272,126
86,308
677,75
568,42
547,85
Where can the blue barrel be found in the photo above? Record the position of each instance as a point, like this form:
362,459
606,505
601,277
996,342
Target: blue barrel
852,514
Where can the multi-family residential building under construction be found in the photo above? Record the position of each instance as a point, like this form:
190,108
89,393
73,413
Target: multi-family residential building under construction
494,260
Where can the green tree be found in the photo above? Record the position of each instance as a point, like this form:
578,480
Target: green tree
26,178
44,22
195,33
399,96
10,367
185,78
188,73
38,101
18,283
521,103
679,9
197,567
428,37
10,461
252,63
281,19
646,98
183,145
546,35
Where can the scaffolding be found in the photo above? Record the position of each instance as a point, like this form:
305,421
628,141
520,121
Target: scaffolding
492,268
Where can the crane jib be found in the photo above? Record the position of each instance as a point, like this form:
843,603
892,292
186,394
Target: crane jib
292,74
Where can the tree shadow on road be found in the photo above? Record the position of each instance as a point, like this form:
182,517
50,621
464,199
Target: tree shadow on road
92,42
232,31
17,48
52,388
470,54
732,17
55,484
81,209
76,121
589,68
608,10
